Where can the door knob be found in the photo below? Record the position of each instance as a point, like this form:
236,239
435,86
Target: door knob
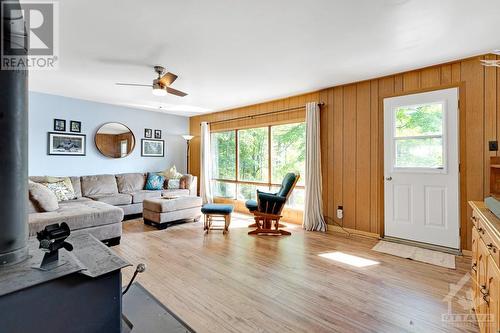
388,178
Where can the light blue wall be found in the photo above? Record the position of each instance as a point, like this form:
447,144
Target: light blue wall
44,108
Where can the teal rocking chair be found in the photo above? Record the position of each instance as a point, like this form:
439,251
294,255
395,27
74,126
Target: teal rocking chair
268,207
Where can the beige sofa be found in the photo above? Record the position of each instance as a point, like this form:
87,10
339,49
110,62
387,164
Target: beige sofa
101,203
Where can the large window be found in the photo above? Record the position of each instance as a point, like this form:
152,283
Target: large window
258,158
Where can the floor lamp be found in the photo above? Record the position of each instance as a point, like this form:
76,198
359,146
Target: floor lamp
187,138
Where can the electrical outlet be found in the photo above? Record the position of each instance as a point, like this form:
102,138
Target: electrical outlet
493,145
340,212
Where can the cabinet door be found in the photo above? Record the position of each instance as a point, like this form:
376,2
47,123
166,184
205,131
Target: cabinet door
480,305
493,276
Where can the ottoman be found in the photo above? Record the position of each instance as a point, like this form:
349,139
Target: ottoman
162,212
212,211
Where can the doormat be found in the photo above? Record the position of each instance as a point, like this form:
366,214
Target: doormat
416,253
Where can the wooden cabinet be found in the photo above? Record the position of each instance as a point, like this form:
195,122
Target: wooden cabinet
484,268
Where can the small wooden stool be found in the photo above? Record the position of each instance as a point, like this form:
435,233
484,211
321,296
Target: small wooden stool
216,212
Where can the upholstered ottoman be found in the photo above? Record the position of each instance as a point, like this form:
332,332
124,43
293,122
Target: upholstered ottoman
214,211
161,212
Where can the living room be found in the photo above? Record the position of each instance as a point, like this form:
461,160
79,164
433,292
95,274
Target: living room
316,167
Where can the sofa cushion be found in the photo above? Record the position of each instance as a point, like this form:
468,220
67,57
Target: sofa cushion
154,182
139,196
98,184
77,187
75,182
173,184
171,173
175,192
185,181
78,214
43,199
130,182
113,199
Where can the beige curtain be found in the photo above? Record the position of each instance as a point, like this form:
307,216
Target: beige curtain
313,208
206,165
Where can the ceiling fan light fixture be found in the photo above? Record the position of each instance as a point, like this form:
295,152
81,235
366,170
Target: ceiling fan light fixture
158,90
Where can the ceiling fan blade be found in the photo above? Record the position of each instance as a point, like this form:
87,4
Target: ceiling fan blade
175,92
168,79
133,84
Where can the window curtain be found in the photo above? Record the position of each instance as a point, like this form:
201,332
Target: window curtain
313,208
206,165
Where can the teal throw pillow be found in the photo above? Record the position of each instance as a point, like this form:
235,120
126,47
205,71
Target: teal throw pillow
154,182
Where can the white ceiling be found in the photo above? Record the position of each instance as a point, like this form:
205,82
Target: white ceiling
231,53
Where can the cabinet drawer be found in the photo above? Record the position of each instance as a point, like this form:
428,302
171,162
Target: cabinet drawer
488,240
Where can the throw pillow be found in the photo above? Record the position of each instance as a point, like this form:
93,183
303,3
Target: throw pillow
173,184
43,199
154,182
172,173
62,188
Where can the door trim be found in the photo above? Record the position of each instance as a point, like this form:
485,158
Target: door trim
462,214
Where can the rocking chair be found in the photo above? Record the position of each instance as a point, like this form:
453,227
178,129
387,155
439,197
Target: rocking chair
268,207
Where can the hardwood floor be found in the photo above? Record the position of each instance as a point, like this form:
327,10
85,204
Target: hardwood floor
241,283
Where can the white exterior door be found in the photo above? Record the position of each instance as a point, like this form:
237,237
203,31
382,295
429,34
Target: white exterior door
421,167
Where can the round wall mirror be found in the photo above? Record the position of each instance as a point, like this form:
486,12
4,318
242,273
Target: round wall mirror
115,140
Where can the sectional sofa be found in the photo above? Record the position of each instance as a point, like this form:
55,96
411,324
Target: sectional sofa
101,203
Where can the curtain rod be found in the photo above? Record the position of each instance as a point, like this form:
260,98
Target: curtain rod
261,114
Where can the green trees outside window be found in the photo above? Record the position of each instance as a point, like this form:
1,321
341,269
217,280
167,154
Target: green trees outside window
418,136
253,156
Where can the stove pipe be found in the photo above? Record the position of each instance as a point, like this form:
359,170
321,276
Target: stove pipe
13,142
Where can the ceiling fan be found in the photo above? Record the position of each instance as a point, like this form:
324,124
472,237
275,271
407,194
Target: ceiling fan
161,85
491,62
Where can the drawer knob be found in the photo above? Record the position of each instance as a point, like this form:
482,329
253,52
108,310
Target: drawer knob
492,247
473,218
481,230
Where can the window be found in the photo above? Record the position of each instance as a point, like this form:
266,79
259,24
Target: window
258,158
224,155
288,151
418,136
253,158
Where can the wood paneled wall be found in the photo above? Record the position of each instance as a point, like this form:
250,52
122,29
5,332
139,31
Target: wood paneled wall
352,136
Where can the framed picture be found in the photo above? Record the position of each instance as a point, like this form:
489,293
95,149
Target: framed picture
60,125
75,126
66,144
148,133
152,148
157,134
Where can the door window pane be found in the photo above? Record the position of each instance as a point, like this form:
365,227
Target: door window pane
419,153
224,190
419,120
253,154
224,155
288,151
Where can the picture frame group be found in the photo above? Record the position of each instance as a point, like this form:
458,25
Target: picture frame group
148,133
74,126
